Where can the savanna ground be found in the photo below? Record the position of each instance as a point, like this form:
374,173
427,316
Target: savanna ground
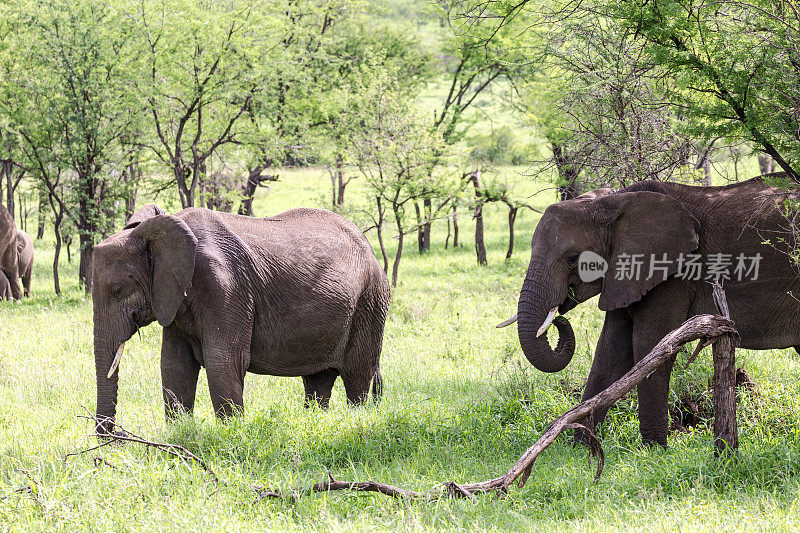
461,403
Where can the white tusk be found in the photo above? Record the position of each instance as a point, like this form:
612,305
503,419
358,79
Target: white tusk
547,321
115,362
507,322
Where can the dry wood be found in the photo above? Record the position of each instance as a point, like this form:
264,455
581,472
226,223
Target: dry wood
726,432
708,328
123,435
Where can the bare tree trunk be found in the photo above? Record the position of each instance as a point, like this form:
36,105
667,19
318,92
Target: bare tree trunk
24,210
512,218
726,431
455,225
418,213
43,205
132,175
447,239
58,215
9,188
765,163
399,254
379,228
480,247
340,179
86,244
426,226
249,191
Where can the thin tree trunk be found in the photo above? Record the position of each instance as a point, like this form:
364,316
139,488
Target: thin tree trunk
249,191
480,247
379,228
447,239
426,226
43,205
420,237
9,189
85,265
512,218
58,215
340,179
399,254
455,226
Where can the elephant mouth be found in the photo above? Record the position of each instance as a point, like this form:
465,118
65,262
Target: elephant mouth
570,302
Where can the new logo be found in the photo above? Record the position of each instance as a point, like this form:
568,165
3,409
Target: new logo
591,266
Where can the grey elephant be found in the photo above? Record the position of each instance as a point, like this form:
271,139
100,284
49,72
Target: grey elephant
25,260
667,228
9,261
297,294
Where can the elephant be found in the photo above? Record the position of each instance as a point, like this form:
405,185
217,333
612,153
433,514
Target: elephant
666,227
25,259
9,264
297,294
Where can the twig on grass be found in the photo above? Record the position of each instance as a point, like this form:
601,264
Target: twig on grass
123,435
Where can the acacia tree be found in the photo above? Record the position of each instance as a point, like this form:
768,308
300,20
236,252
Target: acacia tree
203,64
395,151
70,106
474,57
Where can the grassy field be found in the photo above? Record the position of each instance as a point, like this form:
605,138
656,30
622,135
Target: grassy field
461,403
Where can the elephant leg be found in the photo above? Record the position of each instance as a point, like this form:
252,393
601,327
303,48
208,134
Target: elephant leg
652,320
26,281
362,353
226,360
11,271
613,357
179,373
5,287
318,387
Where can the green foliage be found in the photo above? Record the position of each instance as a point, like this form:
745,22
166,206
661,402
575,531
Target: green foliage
501,147
733,68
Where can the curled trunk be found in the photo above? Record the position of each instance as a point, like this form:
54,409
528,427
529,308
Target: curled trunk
532,312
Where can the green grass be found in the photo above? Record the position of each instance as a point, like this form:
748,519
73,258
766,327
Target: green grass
461,404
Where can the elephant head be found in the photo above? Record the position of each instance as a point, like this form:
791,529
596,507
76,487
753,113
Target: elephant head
609,224
139,275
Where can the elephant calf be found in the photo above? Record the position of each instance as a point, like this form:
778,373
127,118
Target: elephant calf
297,294
25,259
24,249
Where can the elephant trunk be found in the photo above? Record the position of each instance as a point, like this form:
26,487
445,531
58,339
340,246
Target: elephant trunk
106,347
535,310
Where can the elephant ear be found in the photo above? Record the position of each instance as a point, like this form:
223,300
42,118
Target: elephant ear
145,212
171,246
644,225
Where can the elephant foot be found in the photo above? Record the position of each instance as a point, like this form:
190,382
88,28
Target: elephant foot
105,431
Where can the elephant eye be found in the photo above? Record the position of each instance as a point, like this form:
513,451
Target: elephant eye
573,256
116,290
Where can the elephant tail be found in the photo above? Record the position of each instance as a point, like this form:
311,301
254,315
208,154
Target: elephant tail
377,387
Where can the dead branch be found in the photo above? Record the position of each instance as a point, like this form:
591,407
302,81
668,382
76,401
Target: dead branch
726,432
122,435
708,328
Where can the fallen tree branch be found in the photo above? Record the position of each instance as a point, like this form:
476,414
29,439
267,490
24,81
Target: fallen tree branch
123,435
708,328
